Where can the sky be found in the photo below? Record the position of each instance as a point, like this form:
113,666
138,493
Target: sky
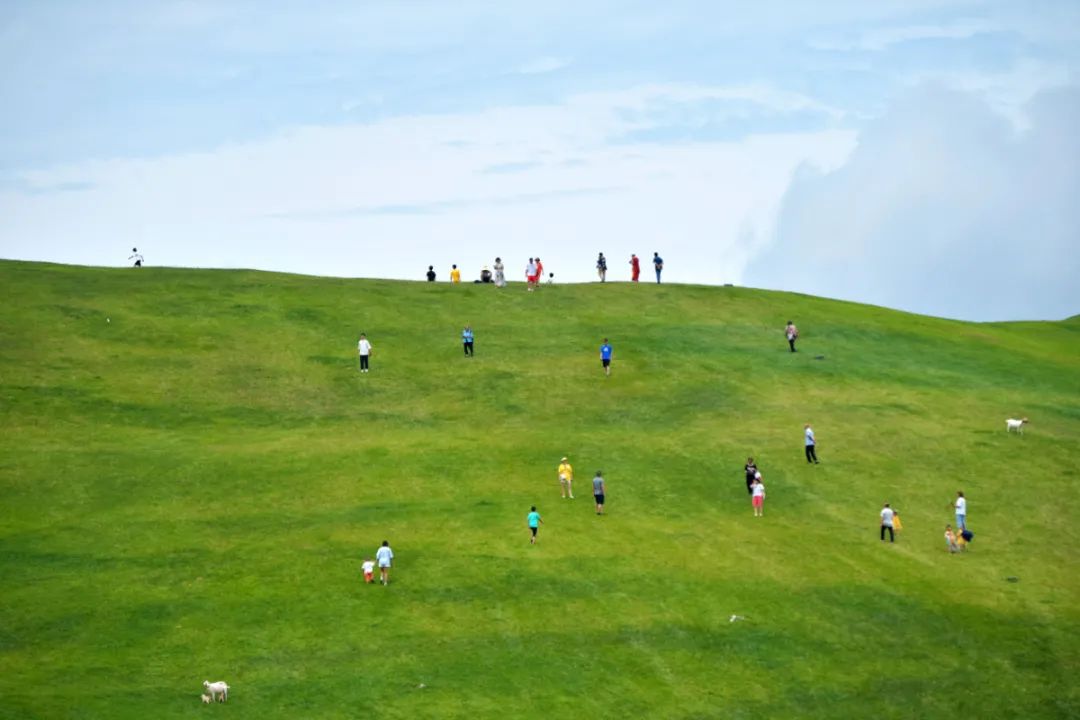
917,154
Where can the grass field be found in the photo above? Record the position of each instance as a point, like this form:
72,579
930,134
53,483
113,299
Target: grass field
189,489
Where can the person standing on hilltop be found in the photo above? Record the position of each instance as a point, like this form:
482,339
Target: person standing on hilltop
431,273
658,265
811,444
364,348
601,267
455,275
605,357
530,275
500,273
136,257
467,340
792,334
635,268
539,272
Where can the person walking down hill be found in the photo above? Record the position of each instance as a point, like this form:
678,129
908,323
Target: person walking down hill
751,472
500,273
566,478
757,496
530,275
601,267
385,557
961,511
535,521
605,356
658,265
792,334
811,444
598,491
467,340
635,268
887,514
455,275
364,349
431,273
136,257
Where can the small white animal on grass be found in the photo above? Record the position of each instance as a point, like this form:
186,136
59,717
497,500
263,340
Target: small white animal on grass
1014,424
205,699
219,690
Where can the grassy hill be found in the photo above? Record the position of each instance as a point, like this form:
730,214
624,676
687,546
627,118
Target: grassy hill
192,470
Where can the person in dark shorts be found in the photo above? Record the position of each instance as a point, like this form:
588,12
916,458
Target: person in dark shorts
605,356
431,273
535,521
751,471
598,492
467,340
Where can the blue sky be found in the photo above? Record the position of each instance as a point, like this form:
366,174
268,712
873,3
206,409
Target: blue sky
913,154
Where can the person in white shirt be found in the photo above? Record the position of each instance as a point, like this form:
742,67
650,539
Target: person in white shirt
368,567
887,514
136,257
757,495
961,512
364,348
811,444
384,556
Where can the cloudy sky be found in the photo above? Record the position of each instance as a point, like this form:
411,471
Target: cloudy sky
919,154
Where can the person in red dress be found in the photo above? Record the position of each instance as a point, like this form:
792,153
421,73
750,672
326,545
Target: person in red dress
635,268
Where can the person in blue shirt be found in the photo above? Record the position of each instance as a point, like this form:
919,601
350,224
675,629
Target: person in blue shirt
467,339
535,521
605,356
658,263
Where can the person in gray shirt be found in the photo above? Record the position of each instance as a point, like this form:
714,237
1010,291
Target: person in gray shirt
598,492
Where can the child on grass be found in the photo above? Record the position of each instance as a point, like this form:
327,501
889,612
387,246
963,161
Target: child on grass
369,570
950,539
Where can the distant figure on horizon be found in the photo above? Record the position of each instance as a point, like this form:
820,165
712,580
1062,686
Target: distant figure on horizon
601,267
455,275
551,279
485,275
635,268
500,273
431,273
136,257
384,556
751,472
530,275
539,272
811,444
535,521
467,340
605,356
598,491
364,349
887,514
658,265
792,334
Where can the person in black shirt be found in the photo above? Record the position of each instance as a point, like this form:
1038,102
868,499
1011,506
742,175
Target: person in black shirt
751,472
431,273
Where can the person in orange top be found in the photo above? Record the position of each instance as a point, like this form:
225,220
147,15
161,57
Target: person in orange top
539,272
635,268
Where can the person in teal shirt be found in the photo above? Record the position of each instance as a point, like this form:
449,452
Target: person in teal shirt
467,340
535,521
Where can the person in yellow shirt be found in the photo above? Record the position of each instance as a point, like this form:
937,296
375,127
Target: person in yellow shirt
455,274
566,478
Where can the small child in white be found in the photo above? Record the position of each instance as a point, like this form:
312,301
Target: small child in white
369,570
950,539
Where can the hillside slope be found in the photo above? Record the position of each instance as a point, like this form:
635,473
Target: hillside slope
192,470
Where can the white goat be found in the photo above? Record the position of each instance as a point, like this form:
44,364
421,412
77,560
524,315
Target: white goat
205,699
1014,424
219,690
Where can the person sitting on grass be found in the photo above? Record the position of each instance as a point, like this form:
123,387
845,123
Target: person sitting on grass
369,570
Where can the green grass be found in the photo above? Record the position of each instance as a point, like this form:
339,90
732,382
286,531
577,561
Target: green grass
189,489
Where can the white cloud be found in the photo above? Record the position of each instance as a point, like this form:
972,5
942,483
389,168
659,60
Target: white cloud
882,38
388,198
943,208
540,66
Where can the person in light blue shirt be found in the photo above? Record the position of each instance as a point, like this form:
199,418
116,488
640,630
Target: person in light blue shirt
658,265
811,453
535,521
384,556
605,356
467,339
